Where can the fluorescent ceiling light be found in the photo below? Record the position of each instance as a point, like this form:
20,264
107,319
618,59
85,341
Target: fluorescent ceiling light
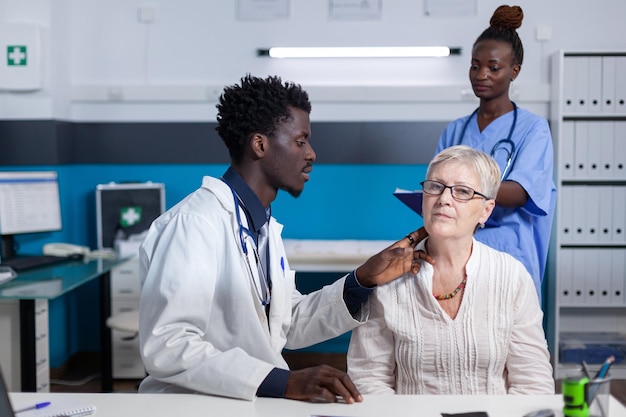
360,52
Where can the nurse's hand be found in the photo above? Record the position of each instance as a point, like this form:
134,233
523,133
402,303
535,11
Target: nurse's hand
321,384
394,261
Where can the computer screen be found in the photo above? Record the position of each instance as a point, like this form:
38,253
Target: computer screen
29,203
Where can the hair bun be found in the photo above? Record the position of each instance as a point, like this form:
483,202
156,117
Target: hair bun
508,17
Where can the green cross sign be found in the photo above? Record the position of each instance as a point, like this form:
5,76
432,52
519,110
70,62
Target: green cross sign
129,216
16,56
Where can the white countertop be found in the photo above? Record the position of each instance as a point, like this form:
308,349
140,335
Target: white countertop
311,255
190,405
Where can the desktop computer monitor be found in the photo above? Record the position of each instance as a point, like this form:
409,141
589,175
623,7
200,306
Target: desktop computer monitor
29,203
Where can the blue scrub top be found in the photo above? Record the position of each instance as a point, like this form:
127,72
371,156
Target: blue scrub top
523,232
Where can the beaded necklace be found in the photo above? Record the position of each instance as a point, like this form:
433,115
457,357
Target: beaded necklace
453,293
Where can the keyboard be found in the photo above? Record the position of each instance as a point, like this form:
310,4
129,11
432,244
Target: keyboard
24,263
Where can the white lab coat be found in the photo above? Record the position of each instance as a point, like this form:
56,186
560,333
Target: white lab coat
202,326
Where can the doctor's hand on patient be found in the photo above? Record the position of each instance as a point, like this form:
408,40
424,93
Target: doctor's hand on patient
394,261
321,384
327,384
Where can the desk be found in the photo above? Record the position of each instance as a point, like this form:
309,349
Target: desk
189,405
32,290
312,255
320,262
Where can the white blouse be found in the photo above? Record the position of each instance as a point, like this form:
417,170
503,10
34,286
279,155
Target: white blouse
495,345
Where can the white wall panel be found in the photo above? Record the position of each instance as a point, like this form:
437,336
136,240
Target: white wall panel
201,42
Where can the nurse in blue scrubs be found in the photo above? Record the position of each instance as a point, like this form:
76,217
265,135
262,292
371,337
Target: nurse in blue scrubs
517,139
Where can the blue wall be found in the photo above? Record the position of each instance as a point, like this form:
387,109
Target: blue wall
339,202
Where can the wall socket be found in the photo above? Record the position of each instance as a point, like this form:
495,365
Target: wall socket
543,32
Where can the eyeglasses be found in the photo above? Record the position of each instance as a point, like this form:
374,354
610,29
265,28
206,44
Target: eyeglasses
459,192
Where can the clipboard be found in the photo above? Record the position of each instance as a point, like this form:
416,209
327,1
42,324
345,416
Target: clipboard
412,199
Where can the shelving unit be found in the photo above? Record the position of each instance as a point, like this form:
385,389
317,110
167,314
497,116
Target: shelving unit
588,249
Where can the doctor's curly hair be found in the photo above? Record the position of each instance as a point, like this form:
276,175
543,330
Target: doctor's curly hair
258,105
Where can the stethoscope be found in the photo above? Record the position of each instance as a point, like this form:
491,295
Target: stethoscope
505,145
259,280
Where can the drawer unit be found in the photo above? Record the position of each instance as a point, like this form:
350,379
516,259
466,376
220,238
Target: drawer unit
125,292
42,346
125,281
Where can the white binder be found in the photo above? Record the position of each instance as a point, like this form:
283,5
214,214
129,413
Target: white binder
618,283
594,102
606,141
566,276
579,274
608,84
591,203
605,214
591,271
619,146
569,85
594,163
580,211
581,145
620,85
566,224
619,214
566,164
605,270
582,84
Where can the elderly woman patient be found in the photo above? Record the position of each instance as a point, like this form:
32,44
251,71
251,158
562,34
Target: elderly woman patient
470,323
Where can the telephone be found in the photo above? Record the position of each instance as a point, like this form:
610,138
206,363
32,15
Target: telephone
6,274
65,249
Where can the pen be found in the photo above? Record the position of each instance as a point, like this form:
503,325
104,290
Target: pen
33,407
586,370
605,367
602,372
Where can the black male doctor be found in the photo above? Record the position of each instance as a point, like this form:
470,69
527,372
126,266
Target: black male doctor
216,308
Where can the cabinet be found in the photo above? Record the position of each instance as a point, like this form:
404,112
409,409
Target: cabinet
587,305
24,319
42,349
125,291
125,210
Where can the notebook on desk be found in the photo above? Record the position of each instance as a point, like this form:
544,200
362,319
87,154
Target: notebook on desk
57,408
